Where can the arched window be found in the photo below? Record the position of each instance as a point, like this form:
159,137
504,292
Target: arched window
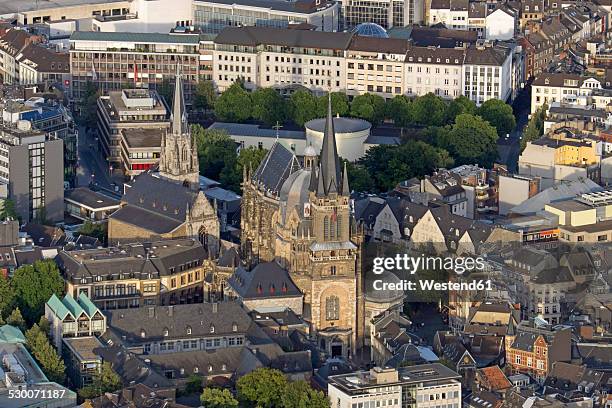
339,226
326,228
332,308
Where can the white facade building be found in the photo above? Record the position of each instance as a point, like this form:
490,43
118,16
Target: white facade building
500,24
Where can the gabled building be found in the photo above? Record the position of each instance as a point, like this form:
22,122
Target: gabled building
70,317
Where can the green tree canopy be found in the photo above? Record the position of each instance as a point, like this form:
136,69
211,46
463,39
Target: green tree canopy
44,353
299,394
390,164
429,110
7,296
368,106
105,380
89,113
16,319
499,115
216,150
459,105
261,388
205,95
399,109
535,127
8,210
217,398
339,103
303,107
33,286
268,106
470,140
93,229
360,178
234,104
250,156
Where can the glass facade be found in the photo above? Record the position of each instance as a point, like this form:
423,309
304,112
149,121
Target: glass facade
212,20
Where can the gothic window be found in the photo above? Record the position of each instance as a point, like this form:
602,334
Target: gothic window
339,226
326,228
332,270
203,236
332,308
332,227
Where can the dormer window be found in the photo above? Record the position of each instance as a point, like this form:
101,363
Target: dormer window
210,368
212,328
188,329
224,367
143,334
234,327
166,332
196,370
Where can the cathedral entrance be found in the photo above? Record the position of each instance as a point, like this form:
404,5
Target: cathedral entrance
336,350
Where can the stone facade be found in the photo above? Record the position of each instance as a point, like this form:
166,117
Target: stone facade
298,214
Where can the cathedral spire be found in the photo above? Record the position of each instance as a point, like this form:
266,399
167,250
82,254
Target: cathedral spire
179,116
330,163
345,186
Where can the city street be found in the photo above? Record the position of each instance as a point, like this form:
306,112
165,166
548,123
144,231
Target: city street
92,166
509,148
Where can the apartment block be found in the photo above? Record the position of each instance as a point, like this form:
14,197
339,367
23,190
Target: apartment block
130,125
32,164
268,57
425,385
569,89
116,60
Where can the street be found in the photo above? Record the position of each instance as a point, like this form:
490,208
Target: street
92,166
509,148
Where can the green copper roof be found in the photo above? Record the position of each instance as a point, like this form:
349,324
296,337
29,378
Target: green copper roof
56,305
87,305
73,306
11,334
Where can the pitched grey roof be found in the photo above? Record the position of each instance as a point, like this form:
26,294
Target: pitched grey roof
145,219
90,198
266,280
199,317
157,258
254,36
275,168
135,37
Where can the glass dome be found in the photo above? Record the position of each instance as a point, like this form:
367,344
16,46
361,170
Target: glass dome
370,30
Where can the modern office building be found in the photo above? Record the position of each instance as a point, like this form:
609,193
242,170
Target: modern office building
32,163
129,120
212,16
425,385
53,118
386,13
116,60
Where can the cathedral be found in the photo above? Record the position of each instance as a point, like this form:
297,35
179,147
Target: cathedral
297,213
168,203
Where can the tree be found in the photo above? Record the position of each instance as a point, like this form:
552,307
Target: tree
499,115
535,127
261,388
8,210
339,104
166,91
268,106
303,107
103,381
44,353
217,398
33,286
399,109
16,319
193,384
360,179
250,157
205,95
215,150
234,104
89,114
7,296
470,140
459,105
93,229
429,110
299,394
368,106
390,164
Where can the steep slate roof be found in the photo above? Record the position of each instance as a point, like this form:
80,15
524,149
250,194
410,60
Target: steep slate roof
266,280
254,35
275,168
45,59
176,319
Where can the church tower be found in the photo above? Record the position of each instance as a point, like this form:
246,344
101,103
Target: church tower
335,270
179,154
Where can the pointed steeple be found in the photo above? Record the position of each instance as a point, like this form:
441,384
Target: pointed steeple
329,162
179,116
320,185
345,186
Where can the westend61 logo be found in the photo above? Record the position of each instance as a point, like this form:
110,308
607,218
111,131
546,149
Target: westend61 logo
406,264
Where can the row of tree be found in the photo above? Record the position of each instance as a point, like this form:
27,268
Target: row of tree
265,387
